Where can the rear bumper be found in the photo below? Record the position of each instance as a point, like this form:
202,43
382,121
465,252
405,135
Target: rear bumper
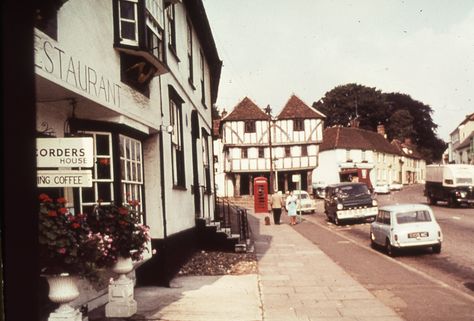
414,245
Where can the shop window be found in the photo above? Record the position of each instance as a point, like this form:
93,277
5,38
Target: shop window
46,17
102,189
131,169
177,150
249,126
109,176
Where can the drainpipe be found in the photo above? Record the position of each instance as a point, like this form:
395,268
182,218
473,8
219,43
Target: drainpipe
162,169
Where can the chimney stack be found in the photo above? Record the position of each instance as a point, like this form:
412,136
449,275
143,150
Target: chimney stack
381,130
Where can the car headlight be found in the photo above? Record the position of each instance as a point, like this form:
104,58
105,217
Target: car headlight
463,194
339,206
374,203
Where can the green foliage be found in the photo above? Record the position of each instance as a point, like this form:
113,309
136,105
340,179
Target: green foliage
402,116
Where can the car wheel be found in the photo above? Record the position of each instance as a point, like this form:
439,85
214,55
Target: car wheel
336,220
436,248
452,202
372,240
389,248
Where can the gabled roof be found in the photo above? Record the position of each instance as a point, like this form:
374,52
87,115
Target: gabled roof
410,149
467,119
355,138
295,108
246,110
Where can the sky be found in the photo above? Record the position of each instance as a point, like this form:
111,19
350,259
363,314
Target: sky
272,49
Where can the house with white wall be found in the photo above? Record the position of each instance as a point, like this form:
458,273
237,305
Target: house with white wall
252,143
354,154
461,144
139,77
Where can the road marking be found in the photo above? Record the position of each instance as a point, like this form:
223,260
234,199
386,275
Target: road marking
406,266
456,218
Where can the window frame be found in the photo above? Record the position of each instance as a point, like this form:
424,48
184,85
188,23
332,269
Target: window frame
177,142
249,126
135,21
171,15
189,32
298,125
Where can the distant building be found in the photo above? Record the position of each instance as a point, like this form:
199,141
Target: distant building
354,154
461,145
243,152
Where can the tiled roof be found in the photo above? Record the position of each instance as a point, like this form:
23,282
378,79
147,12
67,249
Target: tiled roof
355,138
296,108
412,152
467,119
246,110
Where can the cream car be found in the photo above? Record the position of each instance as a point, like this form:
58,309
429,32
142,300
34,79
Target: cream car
406,226
304,202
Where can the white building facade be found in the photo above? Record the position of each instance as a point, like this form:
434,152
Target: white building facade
354,154
461,145
139,77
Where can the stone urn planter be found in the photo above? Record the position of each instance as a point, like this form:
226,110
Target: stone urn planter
63,290
121,302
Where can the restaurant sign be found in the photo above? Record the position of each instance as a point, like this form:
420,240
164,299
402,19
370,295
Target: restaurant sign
64,152
63,178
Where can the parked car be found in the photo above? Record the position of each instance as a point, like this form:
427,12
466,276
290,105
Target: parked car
304,202
395,186
381,188
349,201
406,226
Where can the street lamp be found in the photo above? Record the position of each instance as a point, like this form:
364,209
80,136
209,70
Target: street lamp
268,111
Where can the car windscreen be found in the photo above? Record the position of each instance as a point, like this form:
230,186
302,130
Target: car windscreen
352,190
413,217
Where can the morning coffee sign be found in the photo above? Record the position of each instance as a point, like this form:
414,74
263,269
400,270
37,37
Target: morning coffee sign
64,154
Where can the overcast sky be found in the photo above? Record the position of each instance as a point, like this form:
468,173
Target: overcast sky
273,48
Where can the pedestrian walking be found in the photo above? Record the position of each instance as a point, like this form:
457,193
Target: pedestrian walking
291,208
276,202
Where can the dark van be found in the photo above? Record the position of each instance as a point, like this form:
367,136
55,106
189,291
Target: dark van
349,201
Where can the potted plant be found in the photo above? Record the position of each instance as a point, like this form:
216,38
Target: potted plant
67,249
125,240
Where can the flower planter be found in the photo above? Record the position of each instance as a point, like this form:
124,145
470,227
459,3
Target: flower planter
63,290
121,302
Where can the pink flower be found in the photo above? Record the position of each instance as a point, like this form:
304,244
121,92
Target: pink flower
62,250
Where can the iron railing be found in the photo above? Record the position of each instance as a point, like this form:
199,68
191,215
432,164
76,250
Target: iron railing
233,217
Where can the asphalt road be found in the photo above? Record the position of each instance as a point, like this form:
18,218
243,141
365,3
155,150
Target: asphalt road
418,284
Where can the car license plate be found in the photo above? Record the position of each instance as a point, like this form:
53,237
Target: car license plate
418,234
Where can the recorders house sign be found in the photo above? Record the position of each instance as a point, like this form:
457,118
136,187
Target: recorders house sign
64,152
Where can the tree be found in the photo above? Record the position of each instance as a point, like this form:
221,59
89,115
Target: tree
402,116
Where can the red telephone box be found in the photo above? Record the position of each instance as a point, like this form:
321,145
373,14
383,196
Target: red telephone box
260,187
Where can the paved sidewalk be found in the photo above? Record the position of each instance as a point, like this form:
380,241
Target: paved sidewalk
295,281
299,282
